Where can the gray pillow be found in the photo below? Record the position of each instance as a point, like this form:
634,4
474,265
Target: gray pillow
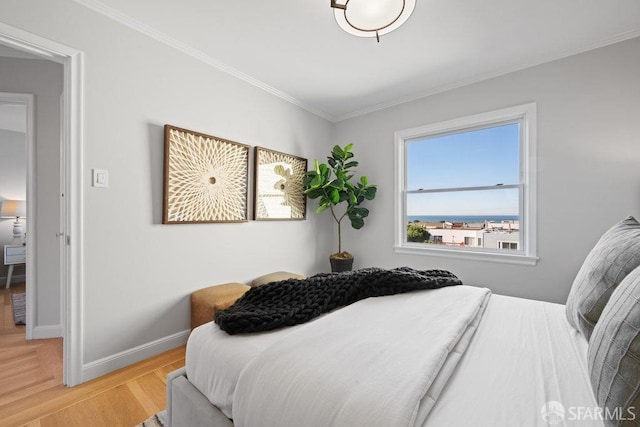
615,255
614,354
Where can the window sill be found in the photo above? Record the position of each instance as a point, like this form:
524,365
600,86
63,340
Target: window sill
468,255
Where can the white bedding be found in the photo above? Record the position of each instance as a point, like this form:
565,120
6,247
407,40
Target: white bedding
373,335
523,355
215,359
368,364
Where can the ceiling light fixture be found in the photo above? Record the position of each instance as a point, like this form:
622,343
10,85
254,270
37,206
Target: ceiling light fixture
372,18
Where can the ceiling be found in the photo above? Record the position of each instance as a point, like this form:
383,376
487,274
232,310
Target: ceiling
295,49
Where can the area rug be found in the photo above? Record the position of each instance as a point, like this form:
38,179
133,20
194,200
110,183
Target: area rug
158,420
19,311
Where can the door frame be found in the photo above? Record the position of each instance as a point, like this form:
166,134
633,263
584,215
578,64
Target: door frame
71,262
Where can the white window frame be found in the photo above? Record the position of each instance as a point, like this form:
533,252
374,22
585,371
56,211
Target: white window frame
526,114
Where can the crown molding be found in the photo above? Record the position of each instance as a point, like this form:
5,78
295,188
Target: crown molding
126,20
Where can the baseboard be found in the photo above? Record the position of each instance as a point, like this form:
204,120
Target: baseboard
128,357
47,331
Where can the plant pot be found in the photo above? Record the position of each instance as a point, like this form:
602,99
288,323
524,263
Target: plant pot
341,264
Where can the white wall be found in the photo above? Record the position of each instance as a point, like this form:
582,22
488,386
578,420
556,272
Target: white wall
588,164
138,273
44,80
13,185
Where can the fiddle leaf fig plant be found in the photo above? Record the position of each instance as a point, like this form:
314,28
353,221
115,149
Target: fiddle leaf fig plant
336,188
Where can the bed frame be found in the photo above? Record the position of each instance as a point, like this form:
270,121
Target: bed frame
187,407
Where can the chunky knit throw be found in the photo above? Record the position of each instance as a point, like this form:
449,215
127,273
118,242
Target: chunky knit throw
292,301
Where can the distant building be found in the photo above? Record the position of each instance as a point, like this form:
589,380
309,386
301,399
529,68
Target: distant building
488,235
502,240
503,226
503,235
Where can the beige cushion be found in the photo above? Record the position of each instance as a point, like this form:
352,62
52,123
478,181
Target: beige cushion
615,255
614,352
205,302
275,277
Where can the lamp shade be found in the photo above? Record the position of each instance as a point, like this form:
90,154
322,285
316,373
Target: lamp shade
13,209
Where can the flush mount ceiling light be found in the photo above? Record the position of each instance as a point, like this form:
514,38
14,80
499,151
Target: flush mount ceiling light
372,18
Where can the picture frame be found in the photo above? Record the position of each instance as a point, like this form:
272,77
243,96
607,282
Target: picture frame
206,178
279,186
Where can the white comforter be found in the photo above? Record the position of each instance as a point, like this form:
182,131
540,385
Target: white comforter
380,361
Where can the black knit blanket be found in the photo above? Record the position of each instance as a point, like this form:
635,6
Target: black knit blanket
292,301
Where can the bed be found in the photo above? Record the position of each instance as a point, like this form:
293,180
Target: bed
443,357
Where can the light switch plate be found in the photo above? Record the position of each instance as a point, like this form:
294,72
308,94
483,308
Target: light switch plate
100,178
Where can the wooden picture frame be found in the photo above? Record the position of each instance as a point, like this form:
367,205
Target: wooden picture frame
205,178
279,186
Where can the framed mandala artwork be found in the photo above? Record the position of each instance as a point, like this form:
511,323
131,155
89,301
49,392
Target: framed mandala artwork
205,178
279,186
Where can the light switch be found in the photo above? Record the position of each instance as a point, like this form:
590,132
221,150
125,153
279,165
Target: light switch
100,178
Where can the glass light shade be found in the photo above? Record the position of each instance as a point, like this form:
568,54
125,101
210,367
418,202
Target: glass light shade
13,209
371,18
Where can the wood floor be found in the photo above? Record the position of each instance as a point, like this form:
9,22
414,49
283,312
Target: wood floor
32,394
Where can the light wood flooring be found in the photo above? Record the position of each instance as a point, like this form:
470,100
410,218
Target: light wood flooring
32,394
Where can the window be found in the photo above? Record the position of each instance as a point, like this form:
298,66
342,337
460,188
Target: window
507,245
470,181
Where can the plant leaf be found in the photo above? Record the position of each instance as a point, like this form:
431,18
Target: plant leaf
356,222
335,196
322,208
352,164
370,192
337,183
314,193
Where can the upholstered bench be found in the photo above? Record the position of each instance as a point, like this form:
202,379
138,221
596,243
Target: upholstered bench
275,277
205,302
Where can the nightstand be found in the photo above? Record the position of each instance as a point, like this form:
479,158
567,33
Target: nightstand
14,254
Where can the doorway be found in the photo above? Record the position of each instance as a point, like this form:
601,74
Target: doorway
70,161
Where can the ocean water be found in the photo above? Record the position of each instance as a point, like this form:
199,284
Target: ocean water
462,218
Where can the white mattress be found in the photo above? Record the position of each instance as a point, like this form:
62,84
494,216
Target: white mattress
523,355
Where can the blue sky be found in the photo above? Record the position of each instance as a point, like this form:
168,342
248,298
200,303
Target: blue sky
483,157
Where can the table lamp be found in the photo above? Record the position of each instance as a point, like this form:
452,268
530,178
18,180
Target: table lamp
14,209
